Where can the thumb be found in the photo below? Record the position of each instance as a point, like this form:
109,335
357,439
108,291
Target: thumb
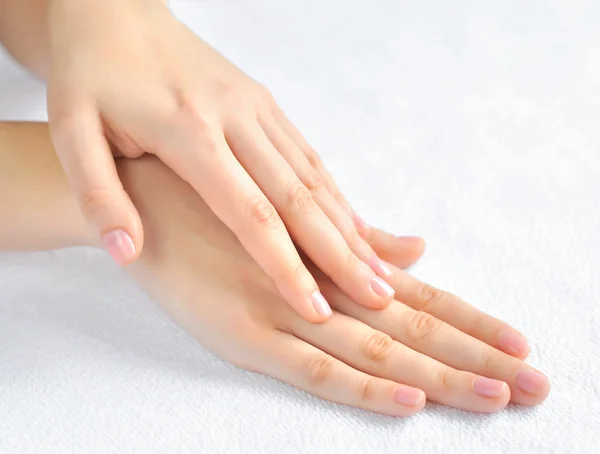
90,168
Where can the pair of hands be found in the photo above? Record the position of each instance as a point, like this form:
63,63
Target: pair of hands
427,343
127,73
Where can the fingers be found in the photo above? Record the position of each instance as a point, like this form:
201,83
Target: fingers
376,353
424,333
308,225
454,311
310,369
311,155
85,156
238,202
402,252
313,181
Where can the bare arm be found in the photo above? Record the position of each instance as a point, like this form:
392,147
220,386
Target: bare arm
24,31
37,208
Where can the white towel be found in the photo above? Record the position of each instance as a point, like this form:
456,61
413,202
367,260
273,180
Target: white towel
474,124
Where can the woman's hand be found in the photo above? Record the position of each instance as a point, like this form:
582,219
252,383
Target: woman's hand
126,72
433,344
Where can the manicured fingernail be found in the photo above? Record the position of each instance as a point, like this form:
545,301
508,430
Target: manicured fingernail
408,396
320,304
488,387
359,222
513,343
531,382
119,245
410,239
380,267
381,287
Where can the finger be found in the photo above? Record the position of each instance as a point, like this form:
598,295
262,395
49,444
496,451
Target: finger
310,369
424,333
456,312
212,170
377,354
313,181
309,226
402,252
86,158
311,155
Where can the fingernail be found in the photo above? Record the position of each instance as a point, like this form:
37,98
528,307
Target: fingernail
359,222
408,396
513,343
381,287
531,382
119,245
320,304
380,267
488,387
410,239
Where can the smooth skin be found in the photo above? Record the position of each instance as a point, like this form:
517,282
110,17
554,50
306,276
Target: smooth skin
430,345
127,73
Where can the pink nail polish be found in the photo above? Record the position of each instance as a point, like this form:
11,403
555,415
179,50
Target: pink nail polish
380,267
408,396
513,343
487,387
359,223
531,382
381,287
119,245
320,304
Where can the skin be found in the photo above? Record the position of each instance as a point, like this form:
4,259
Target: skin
431,345
126,75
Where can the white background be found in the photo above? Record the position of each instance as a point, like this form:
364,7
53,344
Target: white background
474,124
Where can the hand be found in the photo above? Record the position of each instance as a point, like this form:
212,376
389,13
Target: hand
387,360
129,72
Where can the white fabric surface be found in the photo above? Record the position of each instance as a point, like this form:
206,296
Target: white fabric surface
474,124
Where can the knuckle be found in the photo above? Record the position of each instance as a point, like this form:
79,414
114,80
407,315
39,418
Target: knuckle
197,118
442,378
366,389
422,325
264,214
264,93
96,201
300,199
337,195
427,297
351,261
479,320
318,368
313,180
312,156
231,94
487,365
378,347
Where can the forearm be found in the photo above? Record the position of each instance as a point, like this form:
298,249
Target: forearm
24,32
25,29
37,208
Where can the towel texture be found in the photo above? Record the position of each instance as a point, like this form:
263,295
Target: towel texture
474,124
